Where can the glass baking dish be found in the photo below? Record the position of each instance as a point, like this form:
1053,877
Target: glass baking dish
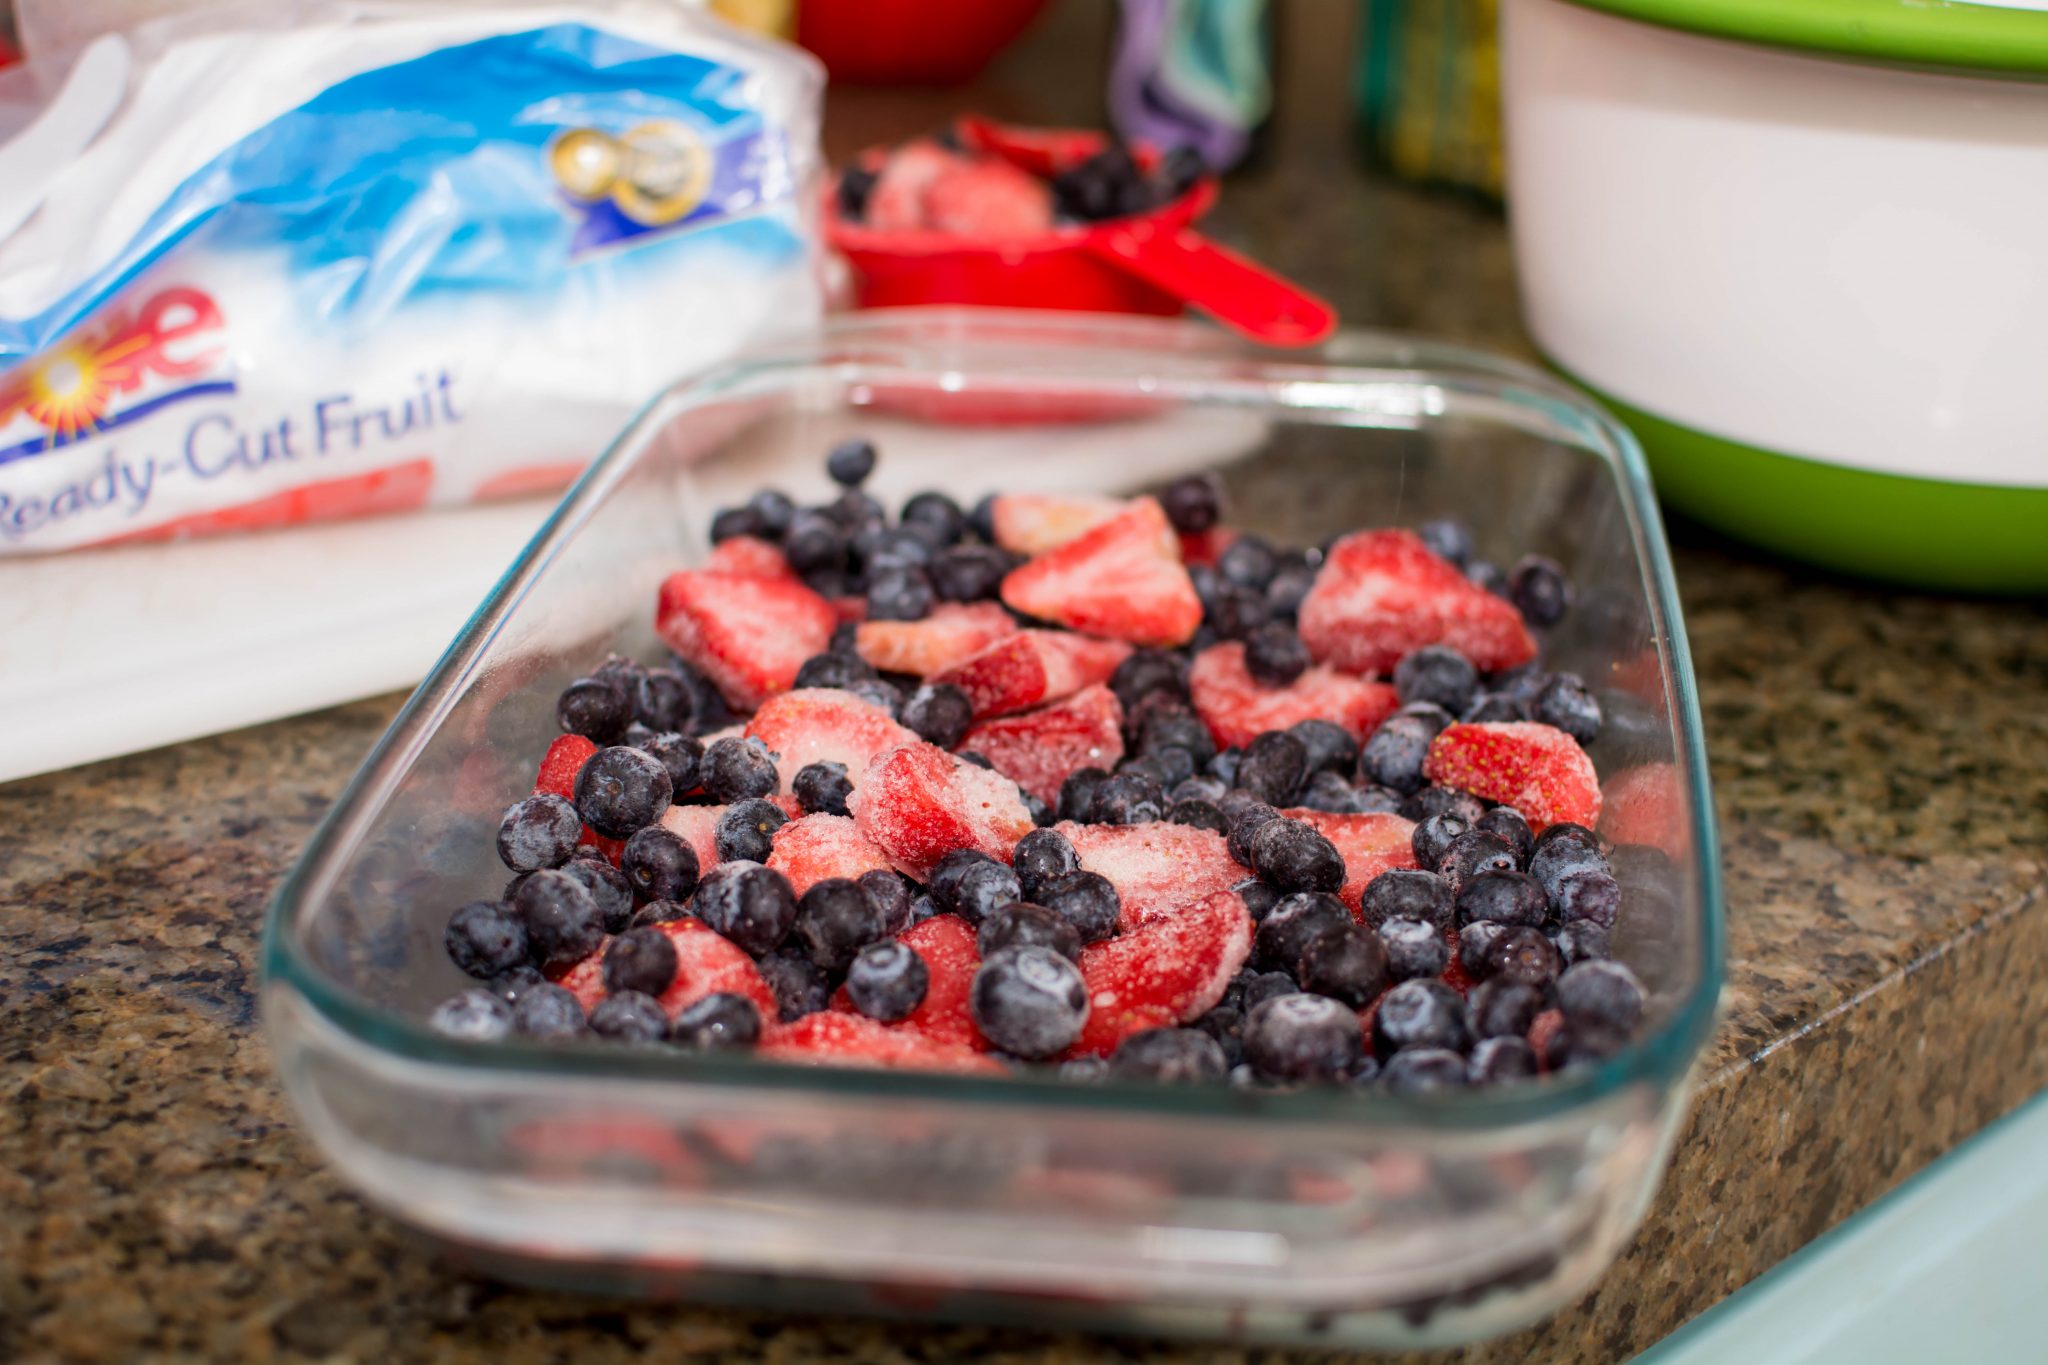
1330,1216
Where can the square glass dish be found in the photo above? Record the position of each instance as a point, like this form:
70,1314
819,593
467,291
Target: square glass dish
1334,1216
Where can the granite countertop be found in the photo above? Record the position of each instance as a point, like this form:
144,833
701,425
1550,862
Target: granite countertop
1878,759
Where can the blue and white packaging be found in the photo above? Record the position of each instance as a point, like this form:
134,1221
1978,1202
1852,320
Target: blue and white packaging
276,263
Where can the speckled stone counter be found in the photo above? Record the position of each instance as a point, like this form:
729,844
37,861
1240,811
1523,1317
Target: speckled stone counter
1881,769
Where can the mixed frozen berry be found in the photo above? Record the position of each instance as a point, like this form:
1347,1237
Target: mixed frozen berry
1102,789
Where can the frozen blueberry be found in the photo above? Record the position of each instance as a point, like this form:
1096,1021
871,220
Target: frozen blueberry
1259,987
1084,1070
1199,815
1433,837
1041,856
1259,898
887,981
857,512
982,889
1294,857
1493,706
899,592
945,879
1473,854
621,790
547,1011
1600,995
513,985
850,462
1145,672
629,1017
822,788
1503,897
834,669
1421,1070
1588,894
969,573
1539,590
486,939
977,758
834,921
1292,925
1344,962
1169,766
1562,850
1167,729
891,894
1085,900
1173,1056
607,886
1041,814
1393,754
1496,1061
1285,593
561,916
800,986
1029,1001
658,912
1439,800
1326,747
1567,703
1021,924
1439,674
1405,893
659,865
641,960
475,1016
814,543
1488,575
1127,798
540,831
729,522
736,769
1419,1013
1448,540
746,832
1301,1038
1193,503
663,701
680,755
596,708
936,516
1274,655
1473,941
1582,940
1249,562
940,713
1414,948
1506,824
750,904
720,1022
1519,953
1273,767
1502,1009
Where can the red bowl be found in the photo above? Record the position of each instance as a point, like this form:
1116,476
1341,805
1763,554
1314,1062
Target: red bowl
1154,262
910,42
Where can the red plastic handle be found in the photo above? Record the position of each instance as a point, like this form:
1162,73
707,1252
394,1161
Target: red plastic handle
1237,293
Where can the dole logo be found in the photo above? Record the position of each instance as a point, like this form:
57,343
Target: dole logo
71,388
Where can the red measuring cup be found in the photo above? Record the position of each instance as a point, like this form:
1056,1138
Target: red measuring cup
1154,262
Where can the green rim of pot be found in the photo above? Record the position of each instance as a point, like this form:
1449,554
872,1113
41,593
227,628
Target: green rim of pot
1922,532
1921,33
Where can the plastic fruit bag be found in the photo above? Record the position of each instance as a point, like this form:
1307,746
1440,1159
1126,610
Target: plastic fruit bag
270,264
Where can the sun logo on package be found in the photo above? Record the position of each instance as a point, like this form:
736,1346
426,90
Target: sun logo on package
655,175
80,386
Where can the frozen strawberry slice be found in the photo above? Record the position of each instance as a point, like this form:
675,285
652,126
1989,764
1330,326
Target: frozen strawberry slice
1205,547
708,963
946,943
558,767
748,635
1039,749
896,203
1370,844
1122,580
830,1038
1158,870
952,632
1031,667
1032,523
1162,973
1538,769
824,725
750,557
584,979
815,847
1238,708
920,803
1381,595
988,199
1643,806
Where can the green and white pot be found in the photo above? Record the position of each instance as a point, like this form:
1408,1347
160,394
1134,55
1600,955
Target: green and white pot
1801,246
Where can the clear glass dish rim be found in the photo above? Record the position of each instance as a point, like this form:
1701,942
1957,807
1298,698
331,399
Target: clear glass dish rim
1196,354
